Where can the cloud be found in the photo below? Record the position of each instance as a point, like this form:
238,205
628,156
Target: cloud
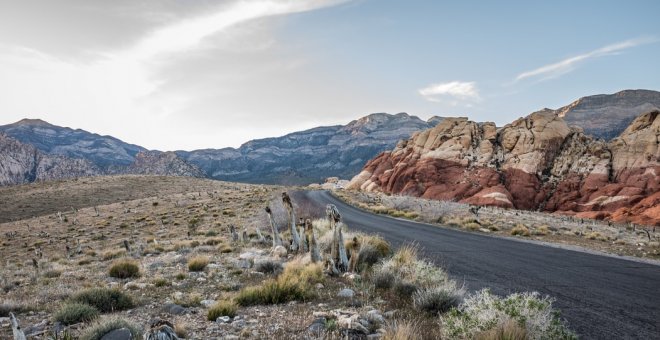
451,92
123,89
567,65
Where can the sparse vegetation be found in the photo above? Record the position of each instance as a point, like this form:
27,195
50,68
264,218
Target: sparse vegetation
124,269
222,308
198,263
102,327
74,312
104,299
294,284
520,230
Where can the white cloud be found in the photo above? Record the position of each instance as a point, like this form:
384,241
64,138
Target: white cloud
119,93
451,92
569,64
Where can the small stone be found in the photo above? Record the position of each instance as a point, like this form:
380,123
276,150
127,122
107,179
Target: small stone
317,327
207,303
118,334
279,251
238,324
174,309
319,286
223,319
178,295
346,293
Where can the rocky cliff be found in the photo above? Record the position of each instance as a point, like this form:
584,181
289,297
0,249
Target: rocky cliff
309,156
23,163
537,163
163,164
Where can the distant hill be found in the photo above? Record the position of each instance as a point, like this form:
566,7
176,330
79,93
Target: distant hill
311,155
607,115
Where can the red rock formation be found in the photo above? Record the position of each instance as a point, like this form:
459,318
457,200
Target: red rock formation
536,163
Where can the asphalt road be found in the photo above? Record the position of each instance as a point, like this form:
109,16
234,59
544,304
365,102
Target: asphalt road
601,297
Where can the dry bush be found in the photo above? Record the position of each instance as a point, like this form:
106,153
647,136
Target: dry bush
73,312
104,326
520,229
124,269
268,267
104,299
198,263
402,330
509,330
437,300
222,308
294,284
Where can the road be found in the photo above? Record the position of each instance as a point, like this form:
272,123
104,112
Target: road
601,297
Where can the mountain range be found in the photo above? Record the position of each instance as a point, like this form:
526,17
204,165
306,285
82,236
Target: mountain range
34,150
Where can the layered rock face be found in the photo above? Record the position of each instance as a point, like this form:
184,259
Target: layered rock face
163,164
536,163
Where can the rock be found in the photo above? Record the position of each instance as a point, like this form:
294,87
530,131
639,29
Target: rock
207,303
223,319
536,163
346,293
174,309
280,252
36,328
177,295
317,328
319,286
239,324
375,316
118,334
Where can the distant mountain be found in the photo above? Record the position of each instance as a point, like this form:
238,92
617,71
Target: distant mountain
311,155
23,163
104,151
39,151
607,115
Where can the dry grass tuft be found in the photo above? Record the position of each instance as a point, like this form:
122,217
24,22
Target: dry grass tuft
222,308
124,269
402,330
198,263
521,230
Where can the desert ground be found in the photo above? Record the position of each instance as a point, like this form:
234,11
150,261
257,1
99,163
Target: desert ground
83,257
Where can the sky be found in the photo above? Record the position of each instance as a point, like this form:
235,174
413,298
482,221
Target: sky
194,74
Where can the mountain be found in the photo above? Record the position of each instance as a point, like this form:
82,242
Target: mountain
607,115
537,163
104,151
309,156
23,163
163,164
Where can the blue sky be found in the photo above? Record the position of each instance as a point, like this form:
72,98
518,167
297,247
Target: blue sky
184,75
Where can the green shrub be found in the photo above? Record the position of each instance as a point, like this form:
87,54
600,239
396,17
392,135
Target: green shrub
104,299
222,308
124,269
198,263
106,325
71,313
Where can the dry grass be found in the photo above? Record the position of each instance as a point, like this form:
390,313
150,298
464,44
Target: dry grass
520,230
124,269
222,308
402,330
198,263
509,330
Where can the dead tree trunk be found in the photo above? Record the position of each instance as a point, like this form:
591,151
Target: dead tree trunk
295,238
338,250
16,328
314,245
277,241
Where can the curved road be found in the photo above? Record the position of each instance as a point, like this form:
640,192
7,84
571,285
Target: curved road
601,297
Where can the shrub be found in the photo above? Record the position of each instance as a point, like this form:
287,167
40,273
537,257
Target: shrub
404,289
542,230
484,311
509,330
401,329
124,269
161,282
437,300
198,263
53,273
222,308
106,325
112,254
374,249
383,280
73,312
295,283
226,249
520,230
268,267
104,299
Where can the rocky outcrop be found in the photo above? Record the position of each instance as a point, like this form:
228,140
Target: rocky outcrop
104,151
23,163
163,164
607,115
309,156
537,163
